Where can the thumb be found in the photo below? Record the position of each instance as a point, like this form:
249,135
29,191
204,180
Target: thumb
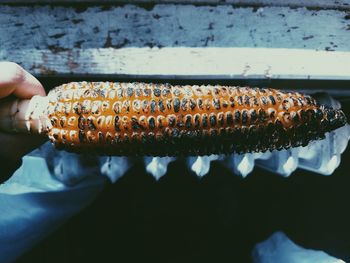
15,80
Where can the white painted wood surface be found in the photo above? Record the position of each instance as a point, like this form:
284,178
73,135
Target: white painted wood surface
195,63
342,4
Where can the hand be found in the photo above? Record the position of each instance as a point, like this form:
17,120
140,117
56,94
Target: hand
14,80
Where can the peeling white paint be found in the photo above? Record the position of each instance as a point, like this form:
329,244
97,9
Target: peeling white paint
61,28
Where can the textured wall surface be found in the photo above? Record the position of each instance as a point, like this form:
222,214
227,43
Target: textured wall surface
62,28
342,4
76,39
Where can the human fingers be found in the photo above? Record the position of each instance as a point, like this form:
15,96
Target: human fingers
15,80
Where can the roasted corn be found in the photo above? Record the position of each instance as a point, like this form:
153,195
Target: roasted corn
162,119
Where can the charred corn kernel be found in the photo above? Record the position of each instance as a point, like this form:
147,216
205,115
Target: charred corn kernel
162,119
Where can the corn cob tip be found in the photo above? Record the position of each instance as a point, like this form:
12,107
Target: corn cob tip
333,118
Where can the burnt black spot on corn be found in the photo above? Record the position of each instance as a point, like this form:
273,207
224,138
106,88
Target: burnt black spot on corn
212,119
54,121
138,92
196,120
253,116
82,137
151,123
204,120
264,100
216,104
221,119
153,106
160,120
188,121
171,120
176,105
156,92
184,104
200,104
237,116
192,104
116,123
161,106
179,121
90,123
81,123
130,91
140,118
135,123
77,108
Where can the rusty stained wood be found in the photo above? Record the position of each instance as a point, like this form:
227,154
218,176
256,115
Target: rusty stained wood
335,4
62,28
195,63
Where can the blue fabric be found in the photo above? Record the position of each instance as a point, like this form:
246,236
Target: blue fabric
33,203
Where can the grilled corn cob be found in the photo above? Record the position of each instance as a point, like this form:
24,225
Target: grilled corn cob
162,119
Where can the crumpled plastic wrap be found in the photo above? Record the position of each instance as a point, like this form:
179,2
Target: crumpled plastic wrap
33,203
70,168
279,248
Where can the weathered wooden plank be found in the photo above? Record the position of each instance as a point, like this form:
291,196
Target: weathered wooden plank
195,63
337,4
63,28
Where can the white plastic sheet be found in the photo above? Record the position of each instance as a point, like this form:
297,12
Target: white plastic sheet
33,203
279,248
